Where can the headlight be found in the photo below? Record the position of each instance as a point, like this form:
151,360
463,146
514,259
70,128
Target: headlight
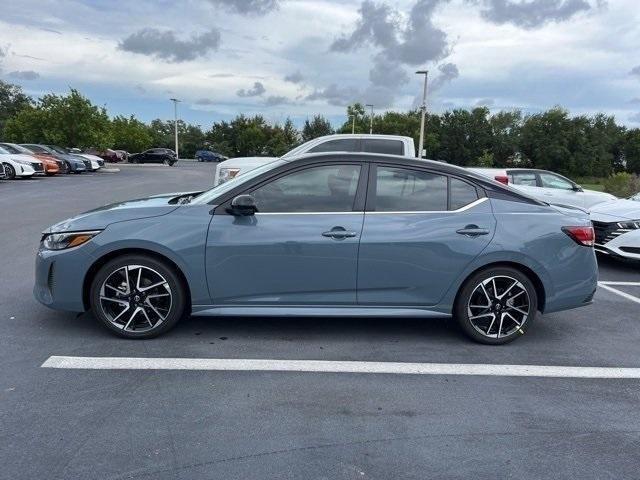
60,241
227,174
22,162
630,225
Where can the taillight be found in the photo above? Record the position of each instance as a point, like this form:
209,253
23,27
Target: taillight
581,235
502,179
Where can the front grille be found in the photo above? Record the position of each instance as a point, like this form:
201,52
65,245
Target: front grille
635,250
101,163
605,232
38,167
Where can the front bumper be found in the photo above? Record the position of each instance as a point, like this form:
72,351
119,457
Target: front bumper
617,242
24,170
78,167
59,277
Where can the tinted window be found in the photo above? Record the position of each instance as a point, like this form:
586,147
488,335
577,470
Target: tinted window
549,180
330,188
462,193
36,148
380,145
523,178
339,145
403,190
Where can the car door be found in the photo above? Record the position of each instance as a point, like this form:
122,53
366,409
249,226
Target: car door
421,229
557,189
300,248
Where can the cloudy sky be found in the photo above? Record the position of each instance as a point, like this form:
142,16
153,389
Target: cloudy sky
299,57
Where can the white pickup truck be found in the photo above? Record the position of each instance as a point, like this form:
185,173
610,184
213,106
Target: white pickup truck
388,144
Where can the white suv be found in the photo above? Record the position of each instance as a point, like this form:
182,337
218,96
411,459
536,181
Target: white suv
546,186
388,144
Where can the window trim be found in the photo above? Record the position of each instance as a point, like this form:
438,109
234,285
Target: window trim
570,182
372,190
358,201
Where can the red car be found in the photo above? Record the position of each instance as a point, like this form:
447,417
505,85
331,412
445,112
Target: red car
109,155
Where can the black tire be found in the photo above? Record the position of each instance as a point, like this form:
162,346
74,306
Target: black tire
9,172
508,308
175,310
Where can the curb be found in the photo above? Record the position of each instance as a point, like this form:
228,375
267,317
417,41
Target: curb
109,170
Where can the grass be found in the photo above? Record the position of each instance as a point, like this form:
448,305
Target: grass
591,183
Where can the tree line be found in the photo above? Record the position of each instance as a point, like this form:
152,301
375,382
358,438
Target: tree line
577,146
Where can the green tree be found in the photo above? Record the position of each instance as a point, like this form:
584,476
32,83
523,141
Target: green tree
631,150
505,138
545,141
282,139
68,120
12,101
318,126
130,134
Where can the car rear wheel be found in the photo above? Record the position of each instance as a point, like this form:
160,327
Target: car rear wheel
496,306
9,172
136,296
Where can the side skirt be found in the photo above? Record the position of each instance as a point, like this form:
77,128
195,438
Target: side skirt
314,311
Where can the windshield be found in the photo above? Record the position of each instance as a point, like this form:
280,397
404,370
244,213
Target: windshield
57,149
4,151
215,192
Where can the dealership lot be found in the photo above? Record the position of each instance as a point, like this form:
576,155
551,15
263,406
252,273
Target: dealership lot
249,423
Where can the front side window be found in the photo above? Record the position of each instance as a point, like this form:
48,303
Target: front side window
405,190
549,180
380,145
339,145
327,188
527,179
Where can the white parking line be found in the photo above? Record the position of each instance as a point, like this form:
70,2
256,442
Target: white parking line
323,366
607,286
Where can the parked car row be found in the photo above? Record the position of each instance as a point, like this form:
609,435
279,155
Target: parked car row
27,160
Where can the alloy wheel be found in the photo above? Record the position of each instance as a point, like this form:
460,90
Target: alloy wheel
498,307
9,172
135,298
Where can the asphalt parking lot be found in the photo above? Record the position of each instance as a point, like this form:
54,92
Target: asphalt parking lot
185,424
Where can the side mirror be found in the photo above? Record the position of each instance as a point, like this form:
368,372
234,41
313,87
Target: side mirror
577,188
243,205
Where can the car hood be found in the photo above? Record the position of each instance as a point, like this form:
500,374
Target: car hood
22,157
616,210
100,218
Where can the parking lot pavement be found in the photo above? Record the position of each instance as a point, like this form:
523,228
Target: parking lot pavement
245,424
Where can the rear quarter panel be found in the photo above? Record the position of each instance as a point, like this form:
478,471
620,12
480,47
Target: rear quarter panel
532,236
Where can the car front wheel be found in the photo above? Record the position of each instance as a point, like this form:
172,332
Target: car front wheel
496,306
9,172
136,296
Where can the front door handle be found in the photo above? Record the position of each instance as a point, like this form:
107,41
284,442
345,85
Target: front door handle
473,231
339,233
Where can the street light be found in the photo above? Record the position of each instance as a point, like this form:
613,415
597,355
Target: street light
175,121
423,108
371,119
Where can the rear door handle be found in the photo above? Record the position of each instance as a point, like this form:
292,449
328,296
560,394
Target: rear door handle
473,231
339,233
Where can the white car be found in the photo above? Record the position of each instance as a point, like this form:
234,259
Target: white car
388,144
19,166
546,186
96,162
617,227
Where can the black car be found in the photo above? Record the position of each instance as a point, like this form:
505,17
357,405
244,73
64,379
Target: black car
155,155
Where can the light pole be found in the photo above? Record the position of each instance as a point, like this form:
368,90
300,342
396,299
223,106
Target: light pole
371,119
353,123
175,121
423,108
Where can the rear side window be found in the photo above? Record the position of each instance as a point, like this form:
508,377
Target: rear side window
523,178
380,145
339,145
405,190
461,194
